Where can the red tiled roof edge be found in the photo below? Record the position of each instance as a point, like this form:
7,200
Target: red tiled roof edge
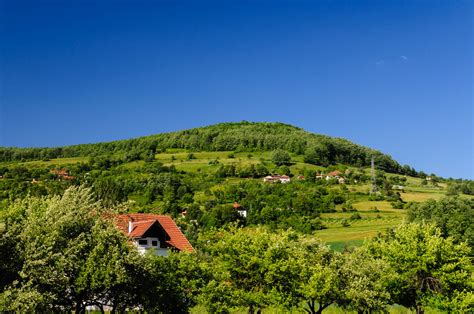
177,238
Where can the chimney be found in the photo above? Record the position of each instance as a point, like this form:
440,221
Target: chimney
130,226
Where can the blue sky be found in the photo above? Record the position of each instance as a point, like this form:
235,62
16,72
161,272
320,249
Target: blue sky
393,75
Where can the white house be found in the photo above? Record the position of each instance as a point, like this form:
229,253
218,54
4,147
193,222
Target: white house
336,175
153,232
242,211
277,178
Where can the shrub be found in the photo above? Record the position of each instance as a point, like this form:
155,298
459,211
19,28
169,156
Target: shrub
345,223
356,216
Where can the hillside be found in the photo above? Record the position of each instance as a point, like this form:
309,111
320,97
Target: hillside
264,193
238,137
204,171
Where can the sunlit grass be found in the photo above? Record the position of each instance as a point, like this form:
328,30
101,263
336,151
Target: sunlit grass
420,196
57,161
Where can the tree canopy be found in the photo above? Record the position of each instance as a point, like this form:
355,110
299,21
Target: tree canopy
243,136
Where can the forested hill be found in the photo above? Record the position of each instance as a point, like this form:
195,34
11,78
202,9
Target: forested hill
242,136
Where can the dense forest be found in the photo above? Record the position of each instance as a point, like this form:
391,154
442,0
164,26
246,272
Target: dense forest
243,136
333,237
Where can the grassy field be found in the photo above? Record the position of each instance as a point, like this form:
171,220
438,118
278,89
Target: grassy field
376,216
358,230
57,161
200,161
421,196
372,222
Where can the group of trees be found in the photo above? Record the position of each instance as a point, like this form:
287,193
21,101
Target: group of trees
63,253
278,206
454,217
413,265
458,187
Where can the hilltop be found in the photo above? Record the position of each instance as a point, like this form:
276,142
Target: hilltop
239,137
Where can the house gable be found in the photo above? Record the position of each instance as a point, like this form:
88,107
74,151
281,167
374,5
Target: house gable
160,227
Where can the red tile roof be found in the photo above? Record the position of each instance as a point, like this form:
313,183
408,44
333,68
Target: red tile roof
139,228
142,222
334,173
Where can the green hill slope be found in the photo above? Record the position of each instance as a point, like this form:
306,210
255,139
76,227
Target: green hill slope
239,137
204,171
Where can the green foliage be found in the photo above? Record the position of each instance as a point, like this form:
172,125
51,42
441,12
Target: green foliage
219,216
363,281
257,269
454,216
244,136
60,254
62,239
356,216
281,157
345,223
64,253
319,154
426,266
243,264
464,187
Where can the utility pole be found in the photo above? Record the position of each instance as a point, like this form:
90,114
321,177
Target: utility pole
373,189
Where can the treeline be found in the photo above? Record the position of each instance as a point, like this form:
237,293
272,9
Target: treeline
244,136
63,254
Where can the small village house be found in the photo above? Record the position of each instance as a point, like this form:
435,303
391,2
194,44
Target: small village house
62,174
336,174
277,178
242,211
153,232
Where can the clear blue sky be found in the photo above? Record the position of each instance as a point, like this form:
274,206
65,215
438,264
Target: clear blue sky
393,75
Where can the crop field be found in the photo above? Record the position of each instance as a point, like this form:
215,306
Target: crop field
375,217
420,196
53,162
360,229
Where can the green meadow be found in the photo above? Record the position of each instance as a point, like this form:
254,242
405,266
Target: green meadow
374,216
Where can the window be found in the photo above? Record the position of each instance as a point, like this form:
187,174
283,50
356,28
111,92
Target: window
154,243
143,242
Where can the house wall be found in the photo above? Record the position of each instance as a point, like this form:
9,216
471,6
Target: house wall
143,248
242,212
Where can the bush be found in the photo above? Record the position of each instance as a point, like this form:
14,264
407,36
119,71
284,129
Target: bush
345,223
356,216
375,209
397,205
281,157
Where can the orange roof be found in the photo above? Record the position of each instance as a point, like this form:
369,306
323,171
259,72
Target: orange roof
236,205
142,222
334,173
